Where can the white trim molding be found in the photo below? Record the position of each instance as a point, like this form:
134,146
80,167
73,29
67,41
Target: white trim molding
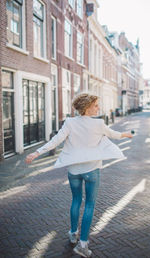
18,106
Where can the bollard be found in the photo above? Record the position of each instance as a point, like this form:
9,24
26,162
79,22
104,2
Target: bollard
112,116
106,120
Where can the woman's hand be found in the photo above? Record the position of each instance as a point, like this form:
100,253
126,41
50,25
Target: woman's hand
128,135
31,157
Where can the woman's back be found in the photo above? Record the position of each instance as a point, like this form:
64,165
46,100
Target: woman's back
84,132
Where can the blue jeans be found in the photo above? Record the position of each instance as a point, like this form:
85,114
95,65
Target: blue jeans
91,180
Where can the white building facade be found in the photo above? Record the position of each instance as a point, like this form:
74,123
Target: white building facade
102,65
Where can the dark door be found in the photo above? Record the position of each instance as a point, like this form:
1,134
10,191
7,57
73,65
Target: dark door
8,112
33,112
8,122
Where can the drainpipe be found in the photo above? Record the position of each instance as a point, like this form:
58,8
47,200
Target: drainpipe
88,28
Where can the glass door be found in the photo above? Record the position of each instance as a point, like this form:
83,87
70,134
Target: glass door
33,112
8,112
8,122
54,114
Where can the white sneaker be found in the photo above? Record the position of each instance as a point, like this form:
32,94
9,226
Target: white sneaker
73,237
85,252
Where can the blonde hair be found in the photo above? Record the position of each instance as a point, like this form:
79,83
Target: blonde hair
83,101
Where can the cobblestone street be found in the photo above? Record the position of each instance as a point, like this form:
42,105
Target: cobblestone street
34,205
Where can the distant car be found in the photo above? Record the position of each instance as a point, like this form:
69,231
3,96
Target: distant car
118,112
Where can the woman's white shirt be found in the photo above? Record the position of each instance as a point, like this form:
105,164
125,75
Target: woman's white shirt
85,167
85,140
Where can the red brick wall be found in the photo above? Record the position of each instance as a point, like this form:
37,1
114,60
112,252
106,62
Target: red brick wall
15,60
12,59
18,61
62,61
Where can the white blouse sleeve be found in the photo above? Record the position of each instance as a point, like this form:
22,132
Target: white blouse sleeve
56,140
110,133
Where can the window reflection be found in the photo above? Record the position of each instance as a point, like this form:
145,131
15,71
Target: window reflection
14,22
38,20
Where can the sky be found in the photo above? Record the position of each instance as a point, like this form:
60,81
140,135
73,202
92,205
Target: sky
132,17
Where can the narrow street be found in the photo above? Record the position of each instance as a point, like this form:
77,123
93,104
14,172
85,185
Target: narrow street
34,206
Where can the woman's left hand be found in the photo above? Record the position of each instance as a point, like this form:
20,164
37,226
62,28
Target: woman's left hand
128,135
31,157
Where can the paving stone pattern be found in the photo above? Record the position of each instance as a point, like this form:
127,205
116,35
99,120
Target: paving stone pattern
34,207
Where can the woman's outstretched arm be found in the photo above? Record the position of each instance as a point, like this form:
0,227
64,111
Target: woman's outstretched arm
115,134
53,143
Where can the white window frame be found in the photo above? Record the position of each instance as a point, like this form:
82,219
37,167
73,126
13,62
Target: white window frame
44,34
91,55
80,8
67,52
54,22
95,58
72,3
66,90
82,50
76,83
12,90
55,73
99,62
23,28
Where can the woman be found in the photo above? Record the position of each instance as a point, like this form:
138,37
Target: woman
86,145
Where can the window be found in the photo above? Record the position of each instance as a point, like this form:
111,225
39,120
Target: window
33,111
91,56
68,39
54,98
14,22
66,93
80,8
80,48
95,60
76,83
72,3
7,79
99,62
38,28
14,26
53,38
8,112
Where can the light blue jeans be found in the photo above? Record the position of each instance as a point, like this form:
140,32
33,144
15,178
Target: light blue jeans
91,180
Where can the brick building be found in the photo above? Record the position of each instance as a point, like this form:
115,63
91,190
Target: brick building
49,51
44,56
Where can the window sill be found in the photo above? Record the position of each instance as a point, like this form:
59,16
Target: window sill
54,58
81,64
42,59
105,80
22,51
80,16
69,57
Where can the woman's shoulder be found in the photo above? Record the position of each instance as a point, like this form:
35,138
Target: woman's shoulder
98,120
70,120
95,120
